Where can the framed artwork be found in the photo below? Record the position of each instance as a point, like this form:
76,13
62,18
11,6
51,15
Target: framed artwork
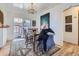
68,28
68,19
44,19
68,23
33,23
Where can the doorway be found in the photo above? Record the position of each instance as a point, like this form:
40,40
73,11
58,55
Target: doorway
1,17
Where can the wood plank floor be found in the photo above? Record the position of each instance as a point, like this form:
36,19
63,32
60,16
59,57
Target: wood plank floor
67,50
5,50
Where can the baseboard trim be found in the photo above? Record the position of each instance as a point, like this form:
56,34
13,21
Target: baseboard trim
70,43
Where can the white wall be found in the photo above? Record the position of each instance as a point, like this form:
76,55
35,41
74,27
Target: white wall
72,37
56,23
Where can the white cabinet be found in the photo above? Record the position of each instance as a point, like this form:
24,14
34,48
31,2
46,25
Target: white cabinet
3,37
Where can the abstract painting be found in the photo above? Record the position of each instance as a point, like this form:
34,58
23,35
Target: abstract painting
44,20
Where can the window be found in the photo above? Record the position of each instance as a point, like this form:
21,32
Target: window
27,23
18,22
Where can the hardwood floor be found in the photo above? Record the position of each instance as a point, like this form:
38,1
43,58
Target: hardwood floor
5,50
68,49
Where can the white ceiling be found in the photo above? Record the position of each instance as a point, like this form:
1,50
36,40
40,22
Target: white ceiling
38,6
43,6
23,6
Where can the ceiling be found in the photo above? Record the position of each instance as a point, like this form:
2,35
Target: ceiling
38,6
16,7
20,9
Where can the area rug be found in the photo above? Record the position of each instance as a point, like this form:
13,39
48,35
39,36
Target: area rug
18,48
30,52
